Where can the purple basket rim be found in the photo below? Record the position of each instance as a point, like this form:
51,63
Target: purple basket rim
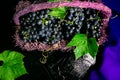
82,4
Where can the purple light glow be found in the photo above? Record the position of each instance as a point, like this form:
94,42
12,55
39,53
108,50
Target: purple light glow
110,68
111,64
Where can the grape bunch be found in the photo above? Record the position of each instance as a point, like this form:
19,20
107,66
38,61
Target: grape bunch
74,19
85,21
40,26
93,23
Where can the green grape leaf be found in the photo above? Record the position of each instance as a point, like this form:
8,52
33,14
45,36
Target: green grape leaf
81,50
77,39
93,47
13,65
59,12
83,45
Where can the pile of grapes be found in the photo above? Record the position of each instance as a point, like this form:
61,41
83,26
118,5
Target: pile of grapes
40,26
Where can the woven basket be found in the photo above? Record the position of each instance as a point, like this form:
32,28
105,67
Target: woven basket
25,7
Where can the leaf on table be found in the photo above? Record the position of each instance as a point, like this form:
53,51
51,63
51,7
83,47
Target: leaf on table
13,65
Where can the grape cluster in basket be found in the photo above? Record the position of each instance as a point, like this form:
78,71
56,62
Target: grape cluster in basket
40,26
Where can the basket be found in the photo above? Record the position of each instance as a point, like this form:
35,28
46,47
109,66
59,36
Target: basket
75,3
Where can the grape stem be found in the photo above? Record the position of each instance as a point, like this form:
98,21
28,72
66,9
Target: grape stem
43,60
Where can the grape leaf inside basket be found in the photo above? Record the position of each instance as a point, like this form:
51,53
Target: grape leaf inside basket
83,45
58,12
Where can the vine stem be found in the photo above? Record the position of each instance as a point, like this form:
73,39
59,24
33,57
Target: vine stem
43,60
